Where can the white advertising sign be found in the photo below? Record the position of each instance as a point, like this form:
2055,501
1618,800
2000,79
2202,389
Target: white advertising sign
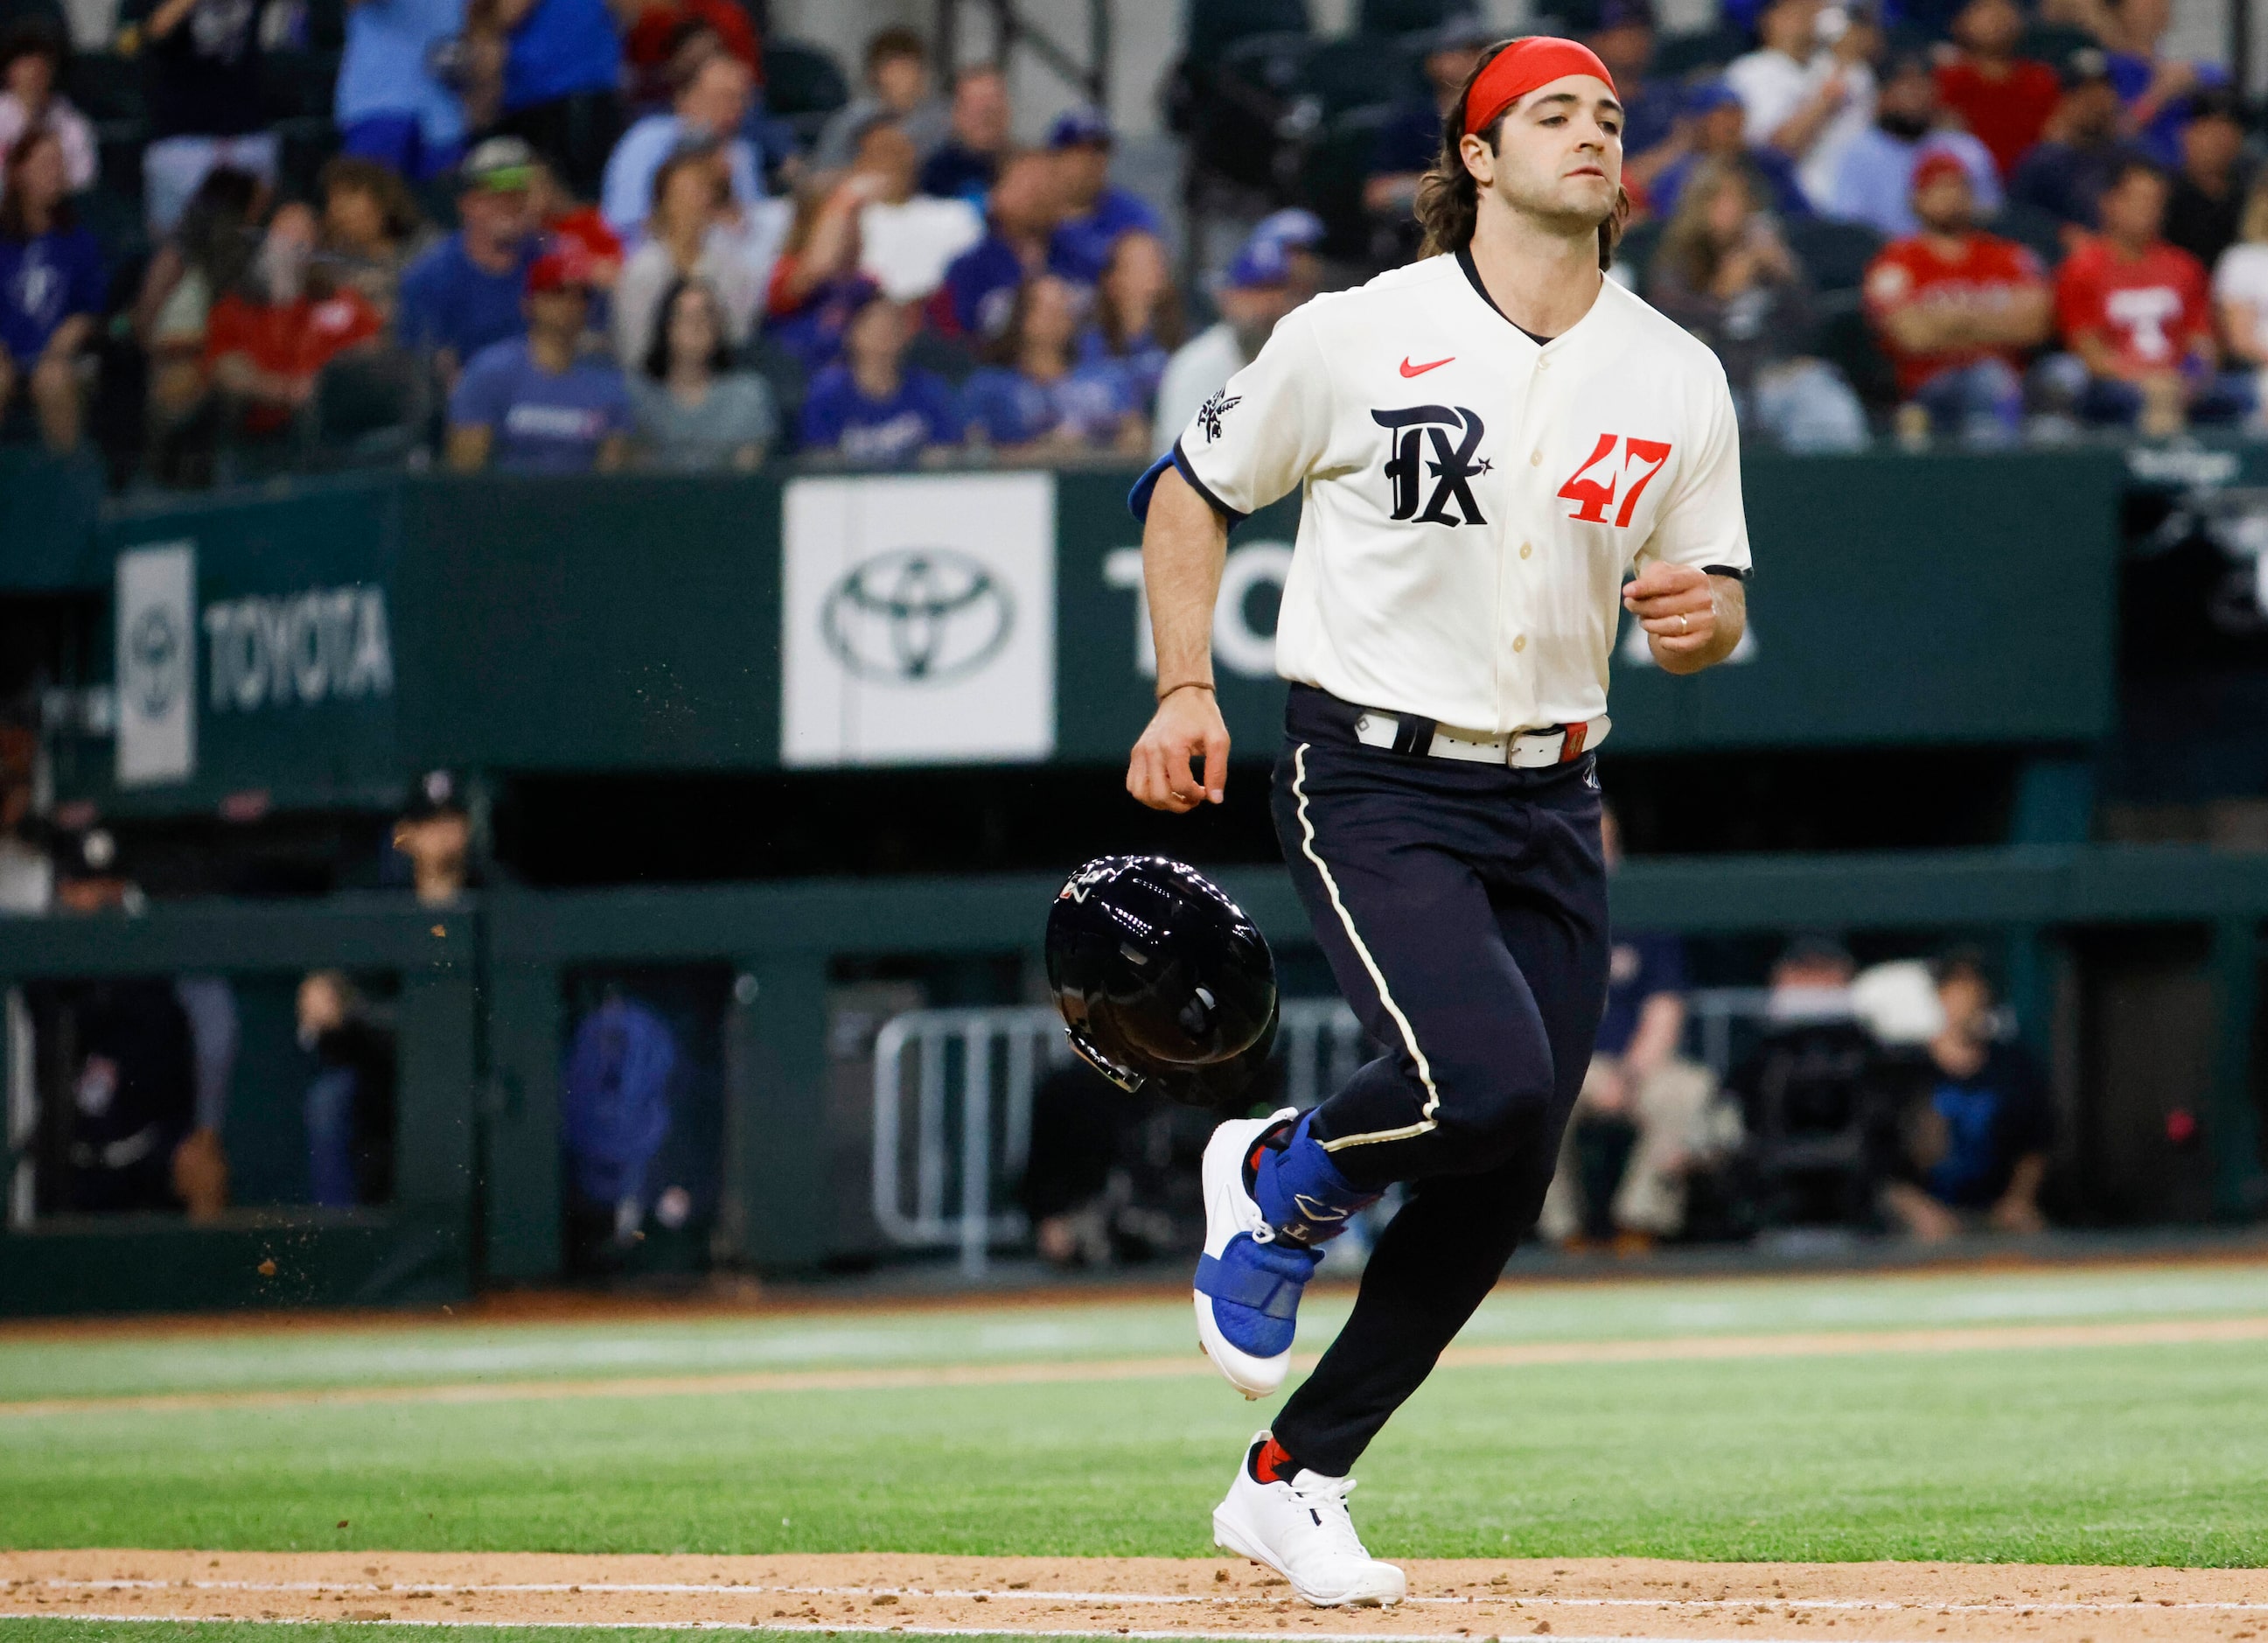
157,663
918,617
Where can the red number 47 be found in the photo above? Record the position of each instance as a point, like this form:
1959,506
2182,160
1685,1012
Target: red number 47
1595,496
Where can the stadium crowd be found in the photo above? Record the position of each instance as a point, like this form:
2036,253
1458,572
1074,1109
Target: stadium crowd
558,236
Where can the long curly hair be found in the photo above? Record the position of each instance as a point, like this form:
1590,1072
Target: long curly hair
1450,200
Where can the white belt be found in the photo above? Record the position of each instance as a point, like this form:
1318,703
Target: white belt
1521,749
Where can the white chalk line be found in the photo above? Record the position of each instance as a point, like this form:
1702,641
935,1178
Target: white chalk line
404,1591
809,1627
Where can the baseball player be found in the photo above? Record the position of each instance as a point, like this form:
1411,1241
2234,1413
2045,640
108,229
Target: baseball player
1488,441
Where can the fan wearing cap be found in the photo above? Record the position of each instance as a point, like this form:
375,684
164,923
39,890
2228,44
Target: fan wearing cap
1275,271
1956,309
1488,442
466,292
1096,214
539,404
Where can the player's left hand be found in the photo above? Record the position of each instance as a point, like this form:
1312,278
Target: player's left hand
1676,605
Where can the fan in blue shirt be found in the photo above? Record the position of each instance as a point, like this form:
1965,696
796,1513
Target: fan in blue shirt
1039,398
1098,213
465,293
51,286
871,407
538,404
980,285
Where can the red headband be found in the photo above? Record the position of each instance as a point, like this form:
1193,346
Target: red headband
1522,66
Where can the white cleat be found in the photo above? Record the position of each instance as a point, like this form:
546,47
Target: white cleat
1258,1366
1301,1531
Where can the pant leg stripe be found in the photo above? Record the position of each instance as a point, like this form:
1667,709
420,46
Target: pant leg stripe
1426,1121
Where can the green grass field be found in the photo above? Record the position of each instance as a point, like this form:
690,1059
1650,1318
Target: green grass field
2098,1454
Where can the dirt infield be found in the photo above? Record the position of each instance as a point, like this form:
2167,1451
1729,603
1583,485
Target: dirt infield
1571,1599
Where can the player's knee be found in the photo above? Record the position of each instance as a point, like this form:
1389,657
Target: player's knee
1497,1113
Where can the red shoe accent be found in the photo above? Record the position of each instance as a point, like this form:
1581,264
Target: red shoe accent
1273,1464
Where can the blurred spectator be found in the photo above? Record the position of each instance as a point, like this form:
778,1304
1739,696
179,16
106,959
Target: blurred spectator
2240,286
1644,1116
1874,183
708,110
51,289
266,341
1095,214
1273,274
2152,88
1035,399
1817,1097
1138,315
372,228
27,874
1956,309
209,253
1724,273
2209,189
667,35
571,222
538,404
2073,163
30,62
206,105
1805,94
816,285
1977,1144
1622,34
695,233
466,292
135,1140
391,107
2134,312
980,285
907,240
897,90
615,1113
560,91
1712,130
435,835
696,413
967,163
872,406
2004,99
1410,140
264,348
350,1103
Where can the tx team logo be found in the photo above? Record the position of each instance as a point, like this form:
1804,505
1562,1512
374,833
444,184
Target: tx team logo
1213,411
1451,467
1607,471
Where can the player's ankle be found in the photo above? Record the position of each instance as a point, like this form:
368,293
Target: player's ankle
1268,1462
1304,1195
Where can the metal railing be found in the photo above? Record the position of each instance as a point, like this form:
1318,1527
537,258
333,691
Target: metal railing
952,1102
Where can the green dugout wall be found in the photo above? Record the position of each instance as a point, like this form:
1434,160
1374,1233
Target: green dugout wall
317,646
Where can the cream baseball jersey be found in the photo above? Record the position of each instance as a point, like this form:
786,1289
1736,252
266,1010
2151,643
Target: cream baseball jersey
1473,498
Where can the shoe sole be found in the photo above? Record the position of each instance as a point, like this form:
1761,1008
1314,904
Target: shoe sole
1229,1534
1255,1377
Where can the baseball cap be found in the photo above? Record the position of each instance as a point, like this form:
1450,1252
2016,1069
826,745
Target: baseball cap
1707,96
2086,66
2217,102
1613,14
1935,168
1080,128
1260,265
501,164
1294,227
564,267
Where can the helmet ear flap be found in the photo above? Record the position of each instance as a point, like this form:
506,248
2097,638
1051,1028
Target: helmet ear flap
1225,1086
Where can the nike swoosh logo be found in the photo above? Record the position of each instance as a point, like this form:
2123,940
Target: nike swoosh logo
1409,370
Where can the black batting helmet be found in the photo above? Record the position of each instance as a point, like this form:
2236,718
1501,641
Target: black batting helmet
1162,979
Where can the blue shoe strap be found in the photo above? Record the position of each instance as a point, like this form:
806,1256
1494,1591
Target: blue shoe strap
1268,1279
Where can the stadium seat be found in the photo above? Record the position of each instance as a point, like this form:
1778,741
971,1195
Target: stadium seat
1211,27
2038,230
1360,71
104,86
1237,136
1409,17
298,85
366,411
1338,165
803,85
1835,254
1845,341
2053,43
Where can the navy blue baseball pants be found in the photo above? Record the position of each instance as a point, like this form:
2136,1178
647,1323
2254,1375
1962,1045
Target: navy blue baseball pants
1463,910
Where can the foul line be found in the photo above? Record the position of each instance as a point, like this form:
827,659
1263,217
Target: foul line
1524,1354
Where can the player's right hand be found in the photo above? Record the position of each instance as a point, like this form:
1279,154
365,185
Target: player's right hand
1162,774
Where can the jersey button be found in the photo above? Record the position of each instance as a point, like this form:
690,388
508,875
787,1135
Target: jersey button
1527,548
1519,643
1536,459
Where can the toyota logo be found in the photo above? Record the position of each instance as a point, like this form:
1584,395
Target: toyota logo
917,616
153,660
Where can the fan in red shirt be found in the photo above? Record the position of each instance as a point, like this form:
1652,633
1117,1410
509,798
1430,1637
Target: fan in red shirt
2004,99
2136,313
267,355
1956,310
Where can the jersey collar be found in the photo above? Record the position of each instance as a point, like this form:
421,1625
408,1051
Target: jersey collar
1473,277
